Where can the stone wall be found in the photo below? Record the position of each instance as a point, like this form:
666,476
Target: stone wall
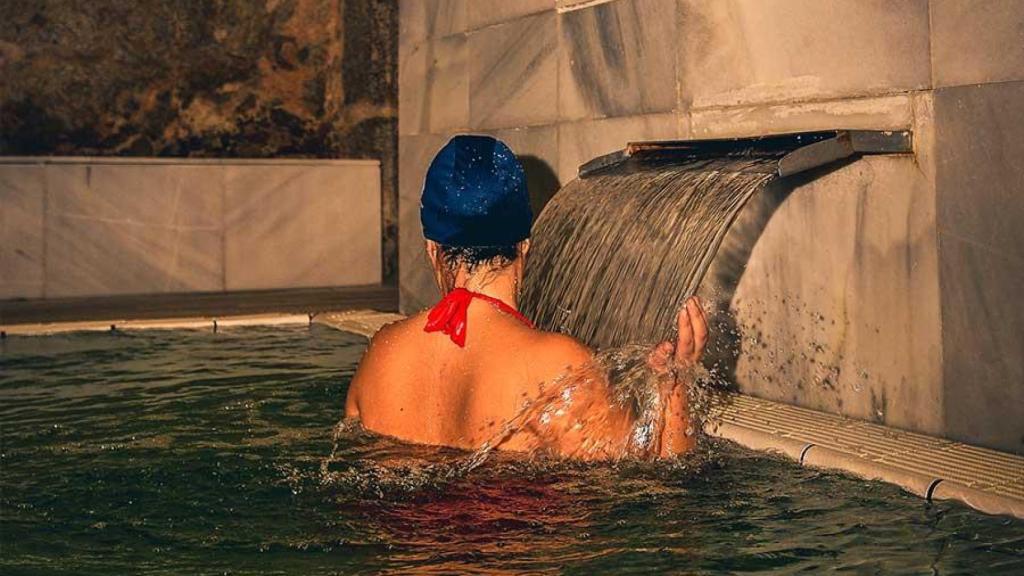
99,227
882,289
260,79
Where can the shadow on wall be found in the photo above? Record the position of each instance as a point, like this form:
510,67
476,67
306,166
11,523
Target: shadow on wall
541,182
721,281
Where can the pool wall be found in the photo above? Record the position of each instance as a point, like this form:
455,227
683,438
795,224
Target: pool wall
883,289
82,227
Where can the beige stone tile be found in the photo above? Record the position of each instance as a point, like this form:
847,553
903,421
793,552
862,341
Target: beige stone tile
976,42
837,298
580,142
154,194
96,257
301,226
22,190
482,13
983,336
880,113
735,52
513,73
417,290
416,285
419,20
614,59
434,80
978,154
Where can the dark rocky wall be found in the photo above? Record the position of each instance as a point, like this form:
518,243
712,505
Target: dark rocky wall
204,78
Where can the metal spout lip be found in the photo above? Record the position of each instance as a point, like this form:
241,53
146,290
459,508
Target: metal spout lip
794,152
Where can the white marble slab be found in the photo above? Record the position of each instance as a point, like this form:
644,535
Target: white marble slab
838,304
977,42
435,86
296,226
108,226
22,201
513,73
615,62
97,257
736,52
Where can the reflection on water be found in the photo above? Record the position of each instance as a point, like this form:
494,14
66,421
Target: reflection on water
186,452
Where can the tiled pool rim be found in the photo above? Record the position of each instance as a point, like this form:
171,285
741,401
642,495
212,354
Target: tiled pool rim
932,468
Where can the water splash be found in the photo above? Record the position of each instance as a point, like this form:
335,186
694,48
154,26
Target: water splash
561,410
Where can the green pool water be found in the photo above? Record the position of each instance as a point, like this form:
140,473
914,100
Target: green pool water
181,452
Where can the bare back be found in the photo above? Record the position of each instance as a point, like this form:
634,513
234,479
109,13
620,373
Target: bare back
421,387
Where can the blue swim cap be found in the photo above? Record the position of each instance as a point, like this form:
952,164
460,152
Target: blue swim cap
475,195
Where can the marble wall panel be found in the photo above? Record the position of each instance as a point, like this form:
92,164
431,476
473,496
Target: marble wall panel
123,228
983,336
435,86
22,201
513,73
616,61
419,20
881,113
979,147
182,195
977,42
488,12
837,300
735,52
289,226
417,290
579,142
88,256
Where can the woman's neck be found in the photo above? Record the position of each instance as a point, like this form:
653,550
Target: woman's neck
496,284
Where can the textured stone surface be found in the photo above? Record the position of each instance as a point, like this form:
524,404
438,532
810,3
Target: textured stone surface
423,19
881,113
752,51
94,257
487,12
838,302
614,60
416,287
287,78
301,226
977,42
22,193
513,73
132,229
979,147
108,227
435,80
980,210
579,142
983,336
166,195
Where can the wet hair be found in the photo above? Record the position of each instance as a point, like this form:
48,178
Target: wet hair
472,257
